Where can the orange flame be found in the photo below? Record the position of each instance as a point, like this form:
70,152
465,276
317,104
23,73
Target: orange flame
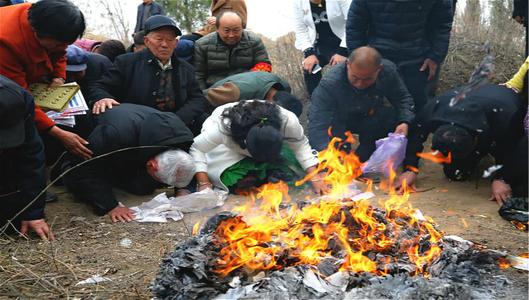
195,228
268,235
504,263
436,157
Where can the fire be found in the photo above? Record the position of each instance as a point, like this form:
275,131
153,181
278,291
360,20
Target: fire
519,225
436,157
273,232
504,263
195,228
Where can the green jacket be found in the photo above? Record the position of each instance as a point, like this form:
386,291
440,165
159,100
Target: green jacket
214,60
255,85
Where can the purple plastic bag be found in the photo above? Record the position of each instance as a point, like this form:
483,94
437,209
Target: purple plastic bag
390,152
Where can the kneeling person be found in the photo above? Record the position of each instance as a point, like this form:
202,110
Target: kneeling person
487,121
137,171
254,85
246,144
22,162
364,95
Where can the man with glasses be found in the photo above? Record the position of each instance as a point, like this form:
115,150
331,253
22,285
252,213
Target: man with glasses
228,51
153,77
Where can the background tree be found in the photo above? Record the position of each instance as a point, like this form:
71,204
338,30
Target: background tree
189,14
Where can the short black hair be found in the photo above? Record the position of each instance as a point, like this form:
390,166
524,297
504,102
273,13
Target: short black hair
57,19
453,139
255,125
111,49
225,11
289,102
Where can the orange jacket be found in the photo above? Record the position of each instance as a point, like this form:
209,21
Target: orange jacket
23,59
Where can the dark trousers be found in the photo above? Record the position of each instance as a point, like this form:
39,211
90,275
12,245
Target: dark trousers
515,169
10,204
372,128
324,54
416,82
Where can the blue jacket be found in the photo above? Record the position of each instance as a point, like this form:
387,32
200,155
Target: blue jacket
335,101
403,31
24,168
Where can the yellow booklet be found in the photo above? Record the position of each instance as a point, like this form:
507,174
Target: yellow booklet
53,98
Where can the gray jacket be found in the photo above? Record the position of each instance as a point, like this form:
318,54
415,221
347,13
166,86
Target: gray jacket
335,102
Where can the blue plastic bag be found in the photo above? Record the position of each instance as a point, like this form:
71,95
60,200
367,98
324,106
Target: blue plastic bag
389,154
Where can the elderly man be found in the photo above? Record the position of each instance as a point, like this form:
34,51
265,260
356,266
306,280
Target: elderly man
364,95
153,77
22,162
228,51
126,126
33,41
412,34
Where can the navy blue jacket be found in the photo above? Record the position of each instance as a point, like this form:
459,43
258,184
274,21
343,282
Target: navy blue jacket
492,113
24,168
124,126
155,9
335,101
403,31
96,66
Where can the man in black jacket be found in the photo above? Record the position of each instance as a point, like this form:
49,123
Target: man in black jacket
412,34
487,120
365,95
128,125
22,162
153,77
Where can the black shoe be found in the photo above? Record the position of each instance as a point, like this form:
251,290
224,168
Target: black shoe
51,197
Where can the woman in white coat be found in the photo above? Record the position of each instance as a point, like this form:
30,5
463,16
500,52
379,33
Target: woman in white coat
243,142
320,34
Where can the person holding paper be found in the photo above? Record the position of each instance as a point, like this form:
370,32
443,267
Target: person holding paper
33,41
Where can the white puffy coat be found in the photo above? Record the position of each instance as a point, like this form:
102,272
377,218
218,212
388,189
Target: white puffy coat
214,150
304,24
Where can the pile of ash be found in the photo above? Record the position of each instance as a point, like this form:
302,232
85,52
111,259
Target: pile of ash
461,270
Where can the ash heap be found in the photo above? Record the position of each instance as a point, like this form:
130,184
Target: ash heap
327,248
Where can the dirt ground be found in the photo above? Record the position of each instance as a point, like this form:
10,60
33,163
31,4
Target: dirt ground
88,245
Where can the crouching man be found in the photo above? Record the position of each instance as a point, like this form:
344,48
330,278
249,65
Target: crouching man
22,163
487,121
160,140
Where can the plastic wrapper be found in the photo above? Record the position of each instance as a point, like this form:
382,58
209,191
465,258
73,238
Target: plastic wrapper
162,208
175,168
389,154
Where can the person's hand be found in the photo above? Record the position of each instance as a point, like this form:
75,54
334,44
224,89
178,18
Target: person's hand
103,104
402,129
431,66
500,191
40,227
211,20
202,185
56,82
336,59
72,142
409,177
121,213
318,184
519,19
309,63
